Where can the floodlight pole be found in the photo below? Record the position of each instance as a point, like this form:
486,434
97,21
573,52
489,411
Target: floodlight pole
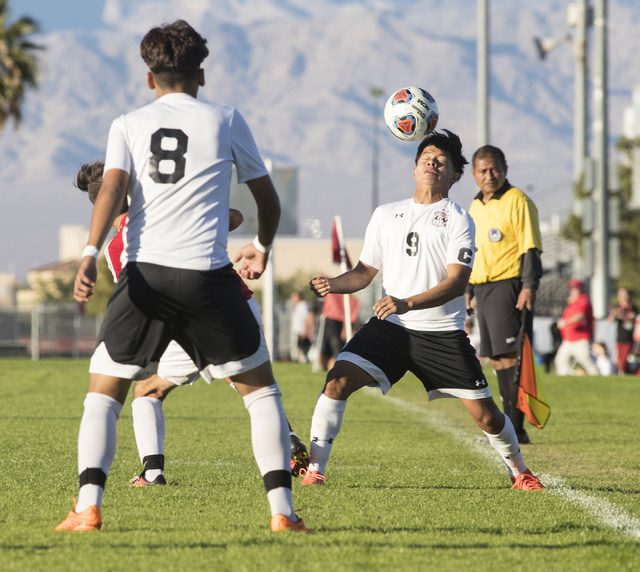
483,74
580,17
375,93
580,88
600,286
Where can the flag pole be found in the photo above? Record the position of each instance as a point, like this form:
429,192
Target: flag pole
343,268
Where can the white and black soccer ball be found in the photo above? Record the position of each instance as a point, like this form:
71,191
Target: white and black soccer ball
411,113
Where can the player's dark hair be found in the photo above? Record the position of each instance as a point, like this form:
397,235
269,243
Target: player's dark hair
449,143
173,53
489,151
89,180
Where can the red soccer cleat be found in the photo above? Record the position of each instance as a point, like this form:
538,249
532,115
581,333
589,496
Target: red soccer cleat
527,482
312,478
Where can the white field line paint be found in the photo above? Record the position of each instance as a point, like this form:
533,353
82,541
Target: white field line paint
603,511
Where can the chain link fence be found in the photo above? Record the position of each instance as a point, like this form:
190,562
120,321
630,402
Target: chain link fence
49,329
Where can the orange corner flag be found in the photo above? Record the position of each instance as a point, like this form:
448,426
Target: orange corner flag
531,398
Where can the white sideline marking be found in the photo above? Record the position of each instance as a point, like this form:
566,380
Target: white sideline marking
602,510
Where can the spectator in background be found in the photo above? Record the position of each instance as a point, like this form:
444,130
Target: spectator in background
473,335
576,328
603,361
301,326
335,335
556,340
624,315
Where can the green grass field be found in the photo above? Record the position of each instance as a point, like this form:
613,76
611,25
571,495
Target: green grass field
408,488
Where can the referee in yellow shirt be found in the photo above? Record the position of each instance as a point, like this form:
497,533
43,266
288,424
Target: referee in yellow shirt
506,271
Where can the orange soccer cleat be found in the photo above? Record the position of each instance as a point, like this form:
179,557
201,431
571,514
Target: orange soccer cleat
527,482
281,522
89,519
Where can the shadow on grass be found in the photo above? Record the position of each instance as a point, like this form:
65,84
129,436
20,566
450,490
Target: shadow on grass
318,538
374,486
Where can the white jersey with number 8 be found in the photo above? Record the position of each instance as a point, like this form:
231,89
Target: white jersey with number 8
179,152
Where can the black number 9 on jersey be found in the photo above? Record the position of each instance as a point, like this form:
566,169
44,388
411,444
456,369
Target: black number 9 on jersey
412,241
176,155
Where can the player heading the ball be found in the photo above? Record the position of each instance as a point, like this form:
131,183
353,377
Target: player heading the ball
425,247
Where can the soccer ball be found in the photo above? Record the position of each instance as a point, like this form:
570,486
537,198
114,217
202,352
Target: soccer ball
411,113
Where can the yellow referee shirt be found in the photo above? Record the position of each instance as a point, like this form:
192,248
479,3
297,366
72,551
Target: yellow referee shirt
506,228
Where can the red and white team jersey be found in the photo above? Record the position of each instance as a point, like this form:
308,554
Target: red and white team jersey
180,152
117,248
415,243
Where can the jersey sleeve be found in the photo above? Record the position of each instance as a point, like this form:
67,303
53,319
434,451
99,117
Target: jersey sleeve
461,248
245,152
527,226
371,254
118,153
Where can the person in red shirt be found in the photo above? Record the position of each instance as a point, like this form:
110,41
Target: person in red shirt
334,336
576,328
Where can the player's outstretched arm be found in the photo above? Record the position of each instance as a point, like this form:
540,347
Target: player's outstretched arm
453,286
256,254
357,279
107,207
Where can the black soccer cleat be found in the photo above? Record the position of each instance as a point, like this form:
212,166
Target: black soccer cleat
299,456
141,481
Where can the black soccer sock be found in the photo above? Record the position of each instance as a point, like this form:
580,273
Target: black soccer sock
509,395
505,377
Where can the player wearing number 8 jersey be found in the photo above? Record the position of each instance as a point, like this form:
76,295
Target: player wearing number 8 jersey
174,157
174,368
425,246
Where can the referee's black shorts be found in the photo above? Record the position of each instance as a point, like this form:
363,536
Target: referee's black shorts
499,320
206,312
444,361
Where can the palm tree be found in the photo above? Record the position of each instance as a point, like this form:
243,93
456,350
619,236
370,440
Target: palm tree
18,63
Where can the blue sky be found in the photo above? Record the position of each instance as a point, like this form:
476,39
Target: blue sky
55,15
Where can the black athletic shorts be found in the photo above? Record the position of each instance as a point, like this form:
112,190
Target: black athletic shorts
206,312
498,319
445,362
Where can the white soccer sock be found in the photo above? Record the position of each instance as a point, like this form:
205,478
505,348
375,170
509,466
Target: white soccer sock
270,439
325,426
506,443
96,443
149,427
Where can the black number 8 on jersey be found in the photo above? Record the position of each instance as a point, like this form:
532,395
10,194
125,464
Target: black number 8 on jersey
176,155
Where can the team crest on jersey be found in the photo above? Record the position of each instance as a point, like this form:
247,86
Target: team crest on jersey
495,235
440,219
